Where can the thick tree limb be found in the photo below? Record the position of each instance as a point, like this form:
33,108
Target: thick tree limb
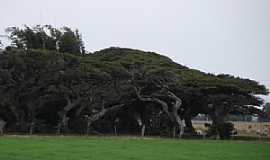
70,105
176,106
96,116
63,123
163,104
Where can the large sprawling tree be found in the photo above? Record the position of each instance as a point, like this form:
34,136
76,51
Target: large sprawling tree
115,90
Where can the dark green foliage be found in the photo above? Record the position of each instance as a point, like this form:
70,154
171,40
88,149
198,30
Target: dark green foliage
49,91
71,42
266,109
47,37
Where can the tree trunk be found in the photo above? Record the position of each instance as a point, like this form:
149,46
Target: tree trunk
115,130
63,123
22,125
31,128
116,123
174,117
78,112
88,127
176,107
174,131
2,126
58,128
80,109
189,126
182,129
91,119
140,123
143,130
219,118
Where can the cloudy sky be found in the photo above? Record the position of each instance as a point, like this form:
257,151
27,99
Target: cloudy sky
217,36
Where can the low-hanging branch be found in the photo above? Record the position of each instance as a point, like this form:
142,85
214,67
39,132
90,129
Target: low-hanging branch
162,103
63,114
90,119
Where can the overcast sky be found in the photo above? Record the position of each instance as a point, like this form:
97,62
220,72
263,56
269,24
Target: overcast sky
217,36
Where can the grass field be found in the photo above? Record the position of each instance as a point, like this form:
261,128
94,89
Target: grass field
124,148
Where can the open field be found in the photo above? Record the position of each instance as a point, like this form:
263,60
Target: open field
127,148
252,129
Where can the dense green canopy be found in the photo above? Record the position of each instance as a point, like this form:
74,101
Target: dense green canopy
50,91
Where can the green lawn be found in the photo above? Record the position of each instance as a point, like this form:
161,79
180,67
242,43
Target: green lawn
123,148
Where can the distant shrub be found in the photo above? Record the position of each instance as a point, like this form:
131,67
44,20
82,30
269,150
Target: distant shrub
224,130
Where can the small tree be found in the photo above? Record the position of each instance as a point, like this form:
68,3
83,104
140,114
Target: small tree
223,130
47,37
266,109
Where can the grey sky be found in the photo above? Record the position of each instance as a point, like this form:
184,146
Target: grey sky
217,36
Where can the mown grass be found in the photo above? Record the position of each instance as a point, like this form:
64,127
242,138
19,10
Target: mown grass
127,148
